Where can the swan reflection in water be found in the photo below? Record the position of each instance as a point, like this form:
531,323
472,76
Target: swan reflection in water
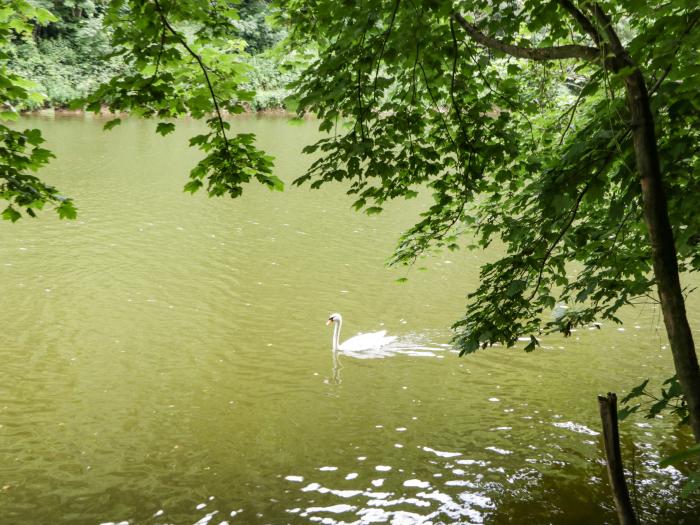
337,367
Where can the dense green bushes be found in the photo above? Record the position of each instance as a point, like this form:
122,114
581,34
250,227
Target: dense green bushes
67,66
70,57
268,79
254,27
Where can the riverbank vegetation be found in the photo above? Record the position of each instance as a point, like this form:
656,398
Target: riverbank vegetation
71,54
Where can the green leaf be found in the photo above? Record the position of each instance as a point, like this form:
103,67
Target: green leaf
691,485
291,103
33,136
199,140
588,89
148,70
626,411
9,116
532,344
10,214
165,127
112,124
637,391
516,287
66,210
193,185
657,407
43,16
275,183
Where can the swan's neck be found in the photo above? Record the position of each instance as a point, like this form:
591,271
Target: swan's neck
336,334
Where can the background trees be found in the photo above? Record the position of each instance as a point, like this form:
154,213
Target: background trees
70,55
67,56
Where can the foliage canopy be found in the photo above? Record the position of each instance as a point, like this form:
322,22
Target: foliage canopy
524,139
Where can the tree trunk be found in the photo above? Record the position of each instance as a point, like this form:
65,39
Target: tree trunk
663,247
613,456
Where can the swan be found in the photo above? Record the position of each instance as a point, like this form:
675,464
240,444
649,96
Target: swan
369,341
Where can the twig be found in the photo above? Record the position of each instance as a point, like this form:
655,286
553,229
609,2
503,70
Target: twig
582,20
359,104
561,234
359,91
497,93
160,51
458,111
573,112
667,69
437,107
194,55
387,34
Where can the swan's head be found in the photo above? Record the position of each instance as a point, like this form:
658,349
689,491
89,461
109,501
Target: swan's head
334,318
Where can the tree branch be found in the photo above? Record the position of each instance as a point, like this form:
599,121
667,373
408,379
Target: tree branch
562,232
573,110
194,55
387,34
530,53
667,69
160,52
582,20
609,33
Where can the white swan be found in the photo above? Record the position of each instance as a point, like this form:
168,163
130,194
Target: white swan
369,341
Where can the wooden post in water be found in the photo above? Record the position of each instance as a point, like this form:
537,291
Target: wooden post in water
616,473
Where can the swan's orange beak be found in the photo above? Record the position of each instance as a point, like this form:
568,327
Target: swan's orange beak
328,322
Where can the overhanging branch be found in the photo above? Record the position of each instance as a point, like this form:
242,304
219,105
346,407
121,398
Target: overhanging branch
560,235
582,20
530,53
607,29
183,42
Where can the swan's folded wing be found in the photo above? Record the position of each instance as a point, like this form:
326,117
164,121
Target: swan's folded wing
367,341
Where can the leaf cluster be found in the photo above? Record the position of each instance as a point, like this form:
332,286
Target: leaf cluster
21,151
534,156
671,399
184,61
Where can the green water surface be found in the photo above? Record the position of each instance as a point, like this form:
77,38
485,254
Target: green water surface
164,360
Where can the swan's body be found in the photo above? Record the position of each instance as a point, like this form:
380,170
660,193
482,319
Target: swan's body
368,341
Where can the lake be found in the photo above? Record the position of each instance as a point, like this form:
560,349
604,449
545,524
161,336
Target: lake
165,360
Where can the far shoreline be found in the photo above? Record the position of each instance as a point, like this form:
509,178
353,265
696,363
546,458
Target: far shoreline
106,113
